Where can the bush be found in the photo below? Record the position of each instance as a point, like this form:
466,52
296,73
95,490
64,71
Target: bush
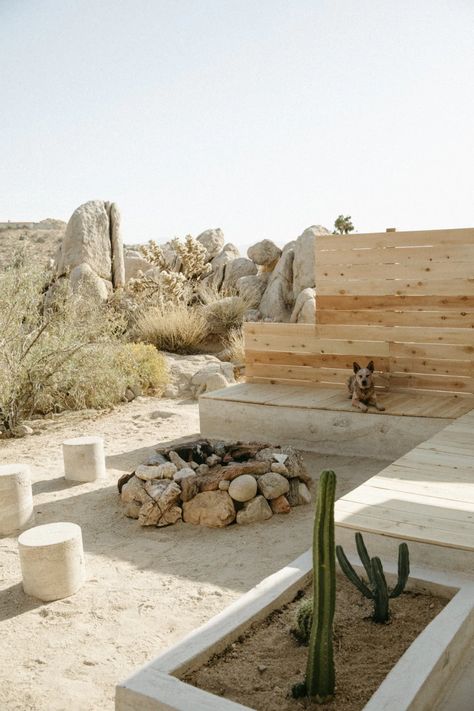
178,329
234,350
224,312
63,352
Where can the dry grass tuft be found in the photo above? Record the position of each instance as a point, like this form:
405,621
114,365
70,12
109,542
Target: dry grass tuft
177,329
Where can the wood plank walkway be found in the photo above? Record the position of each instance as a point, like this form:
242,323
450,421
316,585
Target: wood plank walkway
426,496
438,405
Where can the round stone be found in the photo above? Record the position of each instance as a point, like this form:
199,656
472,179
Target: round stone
243,488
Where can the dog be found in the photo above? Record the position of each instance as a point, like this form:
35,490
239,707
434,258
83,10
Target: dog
362,389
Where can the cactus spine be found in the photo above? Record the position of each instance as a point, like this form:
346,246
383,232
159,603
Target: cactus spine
376,589
320,674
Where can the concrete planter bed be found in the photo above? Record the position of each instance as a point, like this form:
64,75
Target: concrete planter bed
415,683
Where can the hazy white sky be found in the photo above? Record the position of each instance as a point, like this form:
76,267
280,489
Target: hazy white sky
257,116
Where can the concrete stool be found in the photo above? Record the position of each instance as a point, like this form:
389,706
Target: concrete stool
84,458
16,499
52,560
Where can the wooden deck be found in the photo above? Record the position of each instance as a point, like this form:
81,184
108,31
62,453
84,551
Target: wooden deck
437,405
426,496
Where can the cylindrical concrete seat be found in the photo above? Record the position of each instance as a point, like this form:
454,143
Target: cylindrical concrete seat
16,499
52,560
84,458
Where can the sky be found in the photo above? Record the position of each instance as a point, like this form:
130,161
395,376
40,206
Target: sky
260,117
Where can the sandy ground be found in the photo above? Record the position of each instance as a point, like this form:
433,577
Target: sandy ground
146,587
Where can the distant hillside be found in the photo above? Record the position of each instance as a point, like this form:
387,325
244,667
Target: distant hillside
42,238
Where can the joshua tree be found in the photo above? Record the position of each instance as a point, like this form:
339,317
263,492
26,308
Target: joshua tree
343,225
320,675
376,589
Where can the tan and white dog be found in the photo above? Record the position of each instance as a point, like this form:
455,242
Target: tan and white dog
362,389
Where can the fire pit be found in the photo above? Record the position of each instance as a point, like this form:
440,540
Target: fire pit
215,484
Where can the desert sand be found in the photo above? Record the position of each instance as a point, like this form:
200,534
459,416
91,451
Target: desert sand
145,587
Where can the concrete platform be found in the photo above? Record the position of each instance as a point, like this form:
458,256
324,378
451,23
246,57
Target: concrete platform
322,419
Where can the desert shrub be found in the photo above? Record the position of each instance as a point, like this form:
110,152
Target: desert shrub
104,373
224,311
178,329
234,350
63,351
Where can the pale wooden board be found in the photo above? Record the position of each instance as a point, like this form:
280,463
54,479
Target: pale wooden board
401,334
395,302
382,287
439,319
434,366
329,397
432,350
416,238
373,256
368,495
424,270
432,382
409,531
313,360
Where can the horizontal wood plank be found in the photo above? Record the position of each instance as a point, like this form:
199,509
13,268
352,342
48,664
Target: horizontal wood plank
425,271
439,319
382,287
418,238
312,360
442,254
403,334
395,302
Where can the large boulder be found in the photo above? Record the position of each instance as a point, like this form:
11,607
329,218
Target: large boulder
87,240
304,310
92,244
236,269
218,264
212,241
83,279
191,375
251,288
264,253
304,264
277,300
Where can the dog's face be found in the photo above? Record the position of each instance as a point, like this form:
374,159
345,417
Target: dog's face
364,376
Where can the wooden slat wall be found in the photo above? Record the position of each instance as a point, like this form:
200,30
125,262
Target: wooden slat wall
403,299
414,290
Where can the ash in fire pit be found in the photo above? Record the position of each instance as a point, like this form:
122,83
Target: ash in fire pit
215,484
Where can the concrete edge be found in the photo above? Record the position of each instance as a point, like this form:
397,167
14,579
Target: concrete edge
155,688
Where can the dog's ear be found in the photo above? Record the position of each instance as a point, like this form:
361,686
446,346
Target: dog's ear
356,367
371,366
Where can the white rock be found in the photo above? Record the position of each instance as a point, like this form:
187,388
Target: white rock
212,240
304,263
278,297
178,461
162,471
251,288
279,468
304,310
304,492
87,241
273,485
243,488
83,280
264,253
254,510
235,270
183,474
133,265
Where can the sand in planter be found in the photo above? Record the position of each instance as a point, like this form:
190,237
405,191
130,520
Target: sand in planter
260,668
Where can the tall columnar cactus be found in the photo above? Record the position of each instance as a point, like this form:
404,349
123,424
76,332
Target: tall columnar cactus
376,589
320,675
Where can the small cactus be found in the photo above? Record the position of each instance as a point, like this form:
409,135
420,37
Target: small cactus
376,588
304,620
320,674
